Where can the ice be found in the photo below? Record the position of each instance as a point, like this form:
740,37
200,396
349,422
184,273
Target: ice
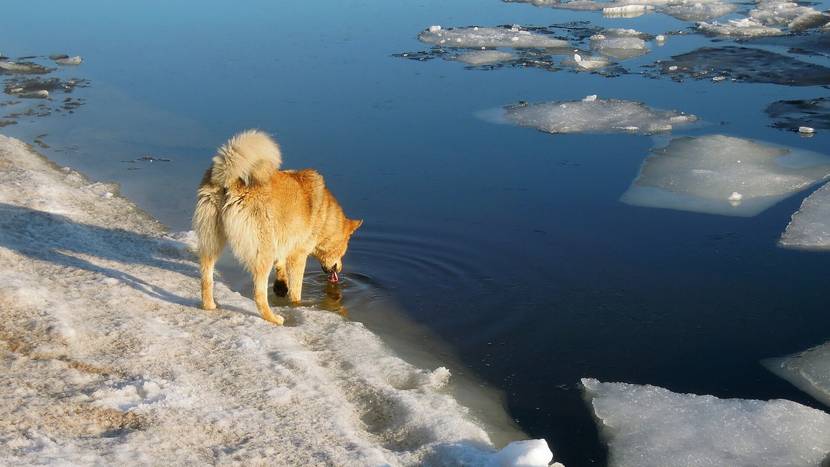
697,10
477,37
619,43
485,57
107,359
26,68
67,60
647,426
789,14
626,11
747,65
808,371
794,114
595,116
703,174
744,27
809,228
586,62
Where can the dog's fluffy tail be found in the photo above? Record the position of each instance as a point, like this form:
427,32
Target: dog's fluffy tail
251,156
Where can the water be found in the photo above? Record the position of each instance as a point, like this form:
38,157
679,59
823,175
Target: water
501,250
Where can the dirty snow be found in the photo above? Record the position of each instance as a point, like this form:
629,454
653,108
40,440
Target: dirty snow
808,371
477,37
594,115
809,228
649,426
107,360
704,174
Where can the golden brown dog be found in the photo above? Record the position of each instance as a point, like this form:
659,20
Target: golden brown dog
269,217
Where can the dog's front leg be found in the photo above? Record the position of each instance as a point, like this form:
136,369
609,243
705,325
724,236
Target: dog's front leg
296,269
260,273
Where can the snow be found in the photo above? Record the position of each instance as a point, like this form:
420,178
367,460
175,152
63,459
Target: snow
485,57
808,371
809,228
595,115
106,358
701,174
650,426
476,37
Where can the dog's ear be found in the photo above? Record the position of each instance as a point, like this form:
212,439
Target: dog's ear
354,224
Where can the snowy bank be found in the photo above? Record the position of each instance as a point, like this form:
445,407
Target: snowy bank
650,426
106,358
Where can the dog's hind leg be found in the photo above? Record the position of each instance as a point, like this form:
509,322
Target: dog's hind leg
281,280
295,267
260,272
206,264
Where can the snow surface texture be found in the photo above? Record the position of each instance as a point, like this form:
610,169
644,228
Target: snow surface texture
809,228
767,19
648,426
476,37
808,371
107,360
719,174
592,115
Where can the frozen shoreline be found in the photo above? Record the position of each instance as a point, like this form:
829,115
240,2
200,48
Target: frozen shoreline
107,359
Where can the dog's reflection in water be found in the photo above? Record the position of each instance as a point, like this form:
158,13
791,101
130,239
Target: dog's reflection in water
330,297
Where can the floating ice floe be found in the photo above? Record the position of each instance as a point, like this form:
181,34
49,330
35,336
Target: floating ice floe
626,11
745,27
620,43
803,113
586,62
112,336
67,60
724,175
792,15
697,10
476,37
808,371
26,68
593,115
485,57
745,64
809,228
648,426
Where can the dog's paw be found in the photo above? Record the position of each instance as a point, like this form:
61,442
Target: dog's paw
280,288
209,306
275,319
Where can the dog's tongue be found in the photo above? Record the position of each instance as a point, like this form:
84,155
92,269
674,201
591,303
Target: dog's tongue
333,277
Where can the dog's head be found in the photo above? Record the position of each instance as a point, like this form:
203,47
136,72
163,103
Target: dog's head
335,242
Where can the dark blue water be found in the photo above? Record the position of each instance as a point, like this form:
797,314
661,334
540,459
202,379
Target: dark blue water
507,244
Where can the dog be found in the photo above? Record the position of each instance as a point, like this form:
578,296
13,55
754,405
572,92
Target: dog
269,217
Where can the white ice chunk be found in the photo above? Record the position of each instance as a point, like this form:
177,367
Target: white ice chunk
619,43
485,57
745,27
595,116
626,11
698,10
586,62
700,174
530,453
648,426
810,226
806,130
784,13
808,371
71,61
490,37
